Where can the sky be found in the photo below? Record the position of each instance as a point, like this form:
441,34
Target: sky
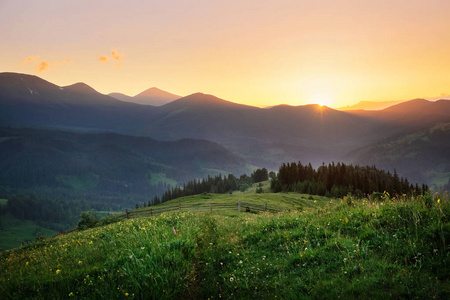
260,53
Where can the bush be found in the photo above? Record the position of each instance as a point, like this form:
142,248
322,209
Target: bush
88,219
243,187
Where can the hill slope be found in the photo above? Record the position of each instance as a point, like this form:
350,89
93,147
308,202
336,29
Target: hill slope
349,250
105,166
422,156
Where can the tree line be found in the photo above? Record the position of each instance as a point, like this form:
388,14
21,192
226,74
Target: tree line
218,184
338,180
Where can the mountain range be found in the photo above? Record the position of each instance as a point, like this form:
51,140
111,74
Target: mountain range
261,137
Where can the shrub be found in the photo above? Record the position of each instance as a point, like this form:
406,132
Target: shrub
88,219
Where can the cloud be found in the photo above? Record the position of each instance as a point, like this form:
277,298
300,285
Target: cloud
58,63
30,59
42,66
116,55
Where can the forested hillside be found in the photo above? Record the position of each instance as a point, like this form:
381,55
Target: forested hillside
114,170
422,156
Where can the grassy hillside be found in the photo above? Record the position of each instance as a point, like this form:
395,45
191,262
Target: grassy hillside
13,231
394,248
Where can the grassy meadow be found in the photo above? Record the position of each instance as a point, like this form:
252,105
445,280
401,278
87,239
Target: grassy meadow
320,249
15,231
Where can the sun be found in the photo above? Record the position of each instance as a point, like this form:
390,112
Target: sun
321,99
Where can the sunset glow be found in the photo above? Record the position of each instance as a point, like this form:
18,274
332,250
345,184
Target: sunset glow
330,52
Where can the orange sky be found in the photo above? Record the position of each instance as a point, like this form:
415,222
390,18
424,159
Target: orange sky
333,52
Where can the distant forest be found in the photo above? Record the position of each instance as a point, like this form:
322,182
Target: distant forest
338,180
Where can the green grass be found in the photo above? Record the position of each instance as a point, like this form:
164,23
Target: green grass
286,201
15,231
3,202
339,248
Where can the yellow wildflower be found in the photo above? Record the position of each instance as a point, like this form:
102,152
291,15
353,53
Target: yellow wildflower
58,271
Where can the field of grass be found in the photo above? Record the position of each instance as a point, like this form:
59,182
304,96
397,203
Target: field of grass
284,201
337,248
14,231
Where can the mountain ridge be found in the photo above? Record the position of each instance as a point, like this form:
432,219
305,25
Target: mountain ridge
265,137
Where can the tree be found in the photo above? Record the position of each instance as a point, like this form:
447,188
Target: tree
260,175
88,219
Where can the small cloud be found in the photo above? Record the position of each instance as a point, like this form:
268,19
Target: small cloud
30,59
116,55
58,63
42,66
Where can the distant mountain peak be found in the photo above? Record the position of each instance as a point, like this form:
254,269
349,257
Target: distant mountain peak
80,87
204,100
155,92
152,96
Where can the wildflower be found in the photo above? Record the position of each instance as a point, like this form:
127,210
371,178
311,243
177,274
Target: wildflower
315,201
71,294
58,271
231,279
126,294
439,201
